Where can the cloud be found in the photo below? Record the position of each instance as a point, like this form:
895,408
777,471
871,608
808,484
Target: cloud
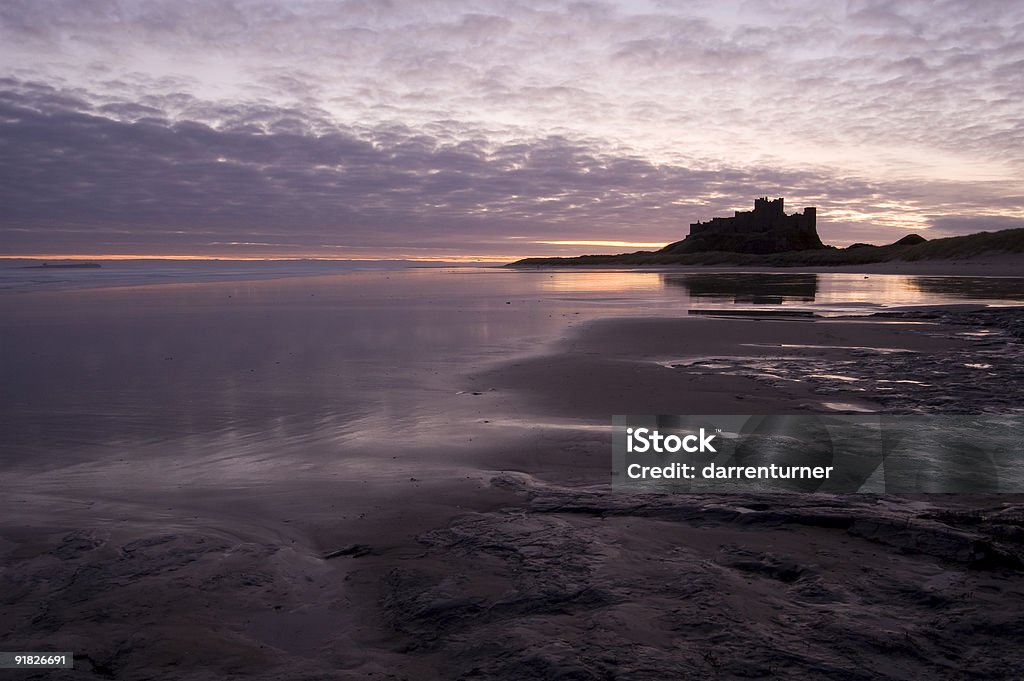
269,176
443,122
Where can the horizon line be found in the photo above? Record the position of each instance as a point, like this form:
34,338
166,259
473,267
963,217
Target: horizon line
249,258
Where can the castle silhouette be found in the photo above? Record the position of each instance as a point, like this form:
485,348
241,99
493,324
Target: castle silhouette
766,229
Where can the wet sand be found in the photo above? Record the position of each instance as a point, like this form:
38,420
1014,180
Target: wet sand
995,266
575,582
481,539
990,265
986,265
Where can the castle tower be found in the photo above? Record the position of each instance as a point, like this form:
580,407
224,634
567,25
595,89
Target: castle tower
766,206
810,222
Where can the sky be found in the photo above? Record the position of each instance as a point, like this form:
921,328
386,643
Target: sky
498,129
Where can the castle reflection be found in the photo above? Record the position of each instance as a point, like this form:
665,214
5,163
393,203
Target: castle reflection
747,288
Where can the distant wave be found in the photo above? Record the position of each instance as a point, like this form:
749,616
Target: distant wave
16,276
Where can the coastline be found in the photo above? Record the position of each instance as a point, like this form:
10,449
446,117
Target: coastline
1002,265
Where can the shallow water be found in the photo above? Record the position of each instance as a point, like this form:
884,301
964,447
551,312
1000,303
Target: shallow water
23,276
241,380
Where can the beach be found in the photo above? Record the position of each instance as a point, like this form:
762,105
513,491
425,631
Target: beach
406,474
511,341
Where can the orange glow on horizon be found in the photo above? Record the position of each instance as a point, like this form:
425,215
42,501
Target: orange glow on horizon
613,244
442,258
250,258
119,256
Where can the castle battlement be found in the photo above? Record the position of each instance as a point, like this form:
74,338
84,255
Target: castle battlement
768,215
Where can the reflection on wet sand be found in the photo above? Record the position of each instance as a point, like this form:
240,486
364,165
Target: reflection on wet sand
1001,288
611,281
747,288
841,291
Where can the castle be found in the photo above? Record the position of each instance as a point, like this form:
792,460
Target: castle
767,215
766,229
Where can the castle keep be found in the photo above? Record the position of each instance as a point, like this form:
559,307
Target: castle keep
767,215
766,229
